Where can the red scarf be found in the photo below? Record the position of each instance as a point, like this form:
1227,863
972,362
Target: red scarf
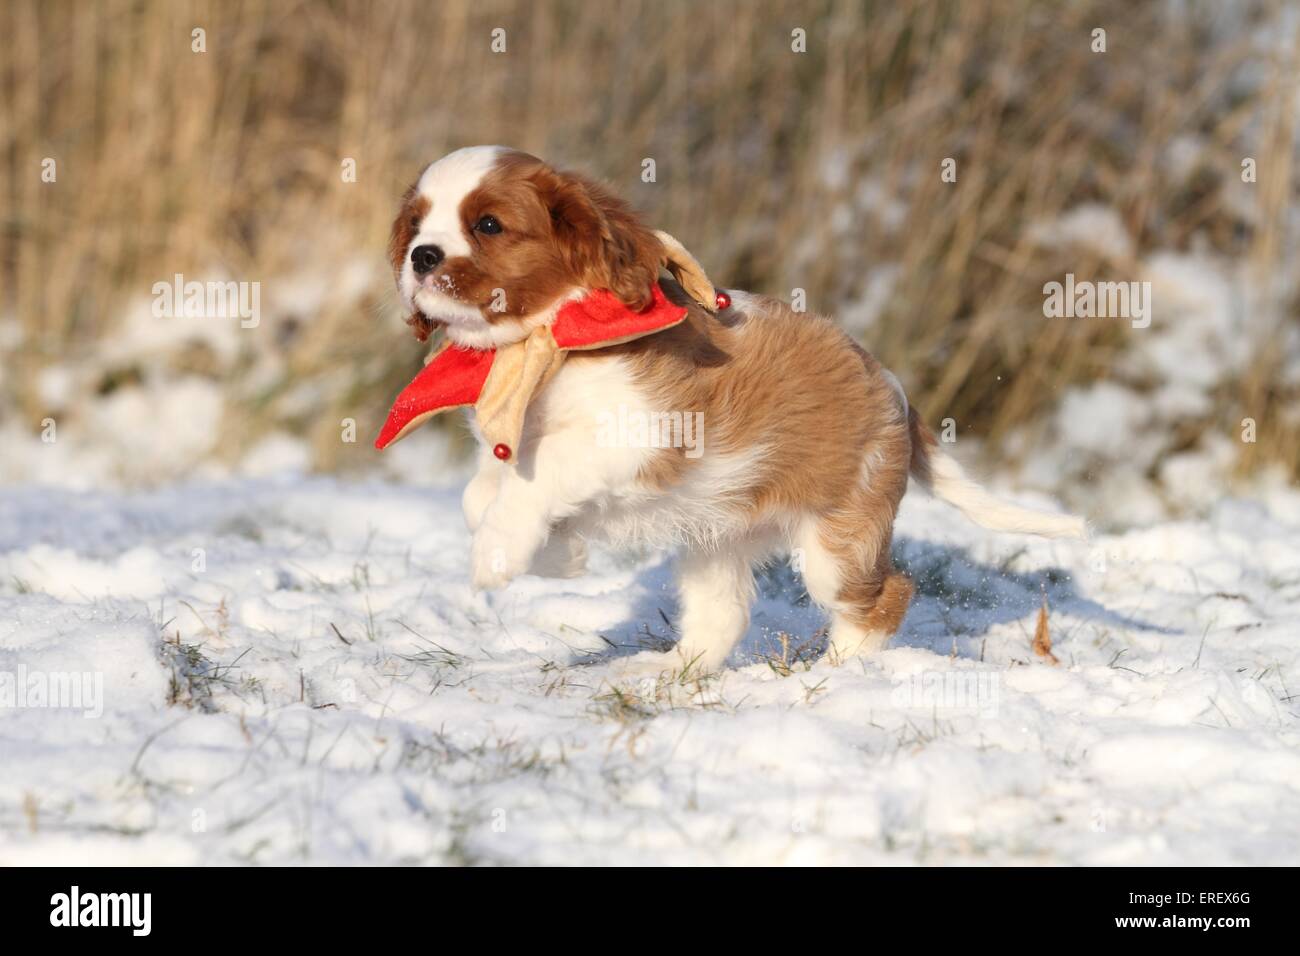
455,376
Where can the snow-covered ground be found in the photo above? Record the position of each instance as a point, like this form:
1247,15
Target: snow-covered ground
296,670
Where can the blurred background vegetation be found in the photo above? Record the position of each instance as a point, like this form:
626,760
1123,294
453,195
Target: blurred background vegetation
779,170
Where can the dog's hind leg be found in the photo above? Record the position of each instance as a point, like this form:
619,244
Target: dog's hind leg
873,605
844,554
854,580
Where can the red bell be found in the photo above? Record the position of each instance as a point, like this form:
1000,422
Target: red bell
502,451
724,301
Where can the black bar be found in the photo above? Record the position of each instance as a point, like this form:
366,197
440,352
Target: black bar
332,906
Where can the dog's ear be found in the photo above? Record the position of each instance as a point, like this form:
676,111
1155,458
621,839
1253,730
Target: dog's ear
604,242
404,228
421,325
399,240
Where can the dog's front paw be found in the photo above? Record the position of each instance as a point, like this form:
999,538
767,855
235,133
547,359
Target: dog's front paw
497,558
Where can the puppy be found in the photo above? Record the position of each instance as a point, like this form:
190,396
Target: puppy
802,442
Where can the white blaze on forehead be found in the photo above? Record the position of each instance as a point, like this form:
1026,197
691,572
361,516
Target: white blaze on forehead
445,184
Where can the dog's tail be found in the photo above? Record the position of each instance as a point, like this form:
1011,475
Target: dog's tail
939,474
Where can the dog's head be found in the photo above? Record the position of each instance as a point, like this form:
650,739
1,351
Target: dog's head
491,240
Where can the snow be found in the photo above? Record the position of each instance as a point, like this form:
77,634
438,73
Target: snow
1090,226
295,670
1105,441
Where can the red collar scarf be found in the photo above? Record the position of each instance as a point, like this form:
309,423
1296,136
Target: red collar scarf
455,376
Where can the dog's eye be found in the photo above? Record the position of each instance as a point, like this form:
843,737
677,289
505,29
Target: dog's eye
415,223
488,225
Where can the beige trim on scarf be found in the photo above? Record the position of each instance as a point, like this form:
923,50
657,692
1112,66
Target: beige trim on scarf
688,272
520,370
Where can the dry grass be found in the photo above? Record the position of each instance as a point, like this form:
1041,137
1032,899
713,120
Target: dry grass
172,161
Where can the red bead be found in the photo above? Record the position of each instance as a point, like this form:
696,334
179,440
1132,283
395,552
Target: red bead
724,301
502,451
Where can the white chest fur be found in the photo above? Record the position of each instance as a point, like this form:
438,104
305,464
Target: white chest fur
579,466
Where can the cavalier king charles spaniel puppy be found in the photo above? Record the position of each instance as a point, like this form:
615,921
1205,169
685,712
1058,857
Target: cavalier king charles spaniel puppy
728,430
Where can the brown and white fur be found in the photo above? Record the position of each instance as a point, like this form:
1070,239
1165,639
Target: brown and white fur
808,441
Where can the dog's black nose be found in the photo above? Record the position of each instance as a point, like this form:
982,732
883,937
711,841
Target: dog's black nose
425,258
